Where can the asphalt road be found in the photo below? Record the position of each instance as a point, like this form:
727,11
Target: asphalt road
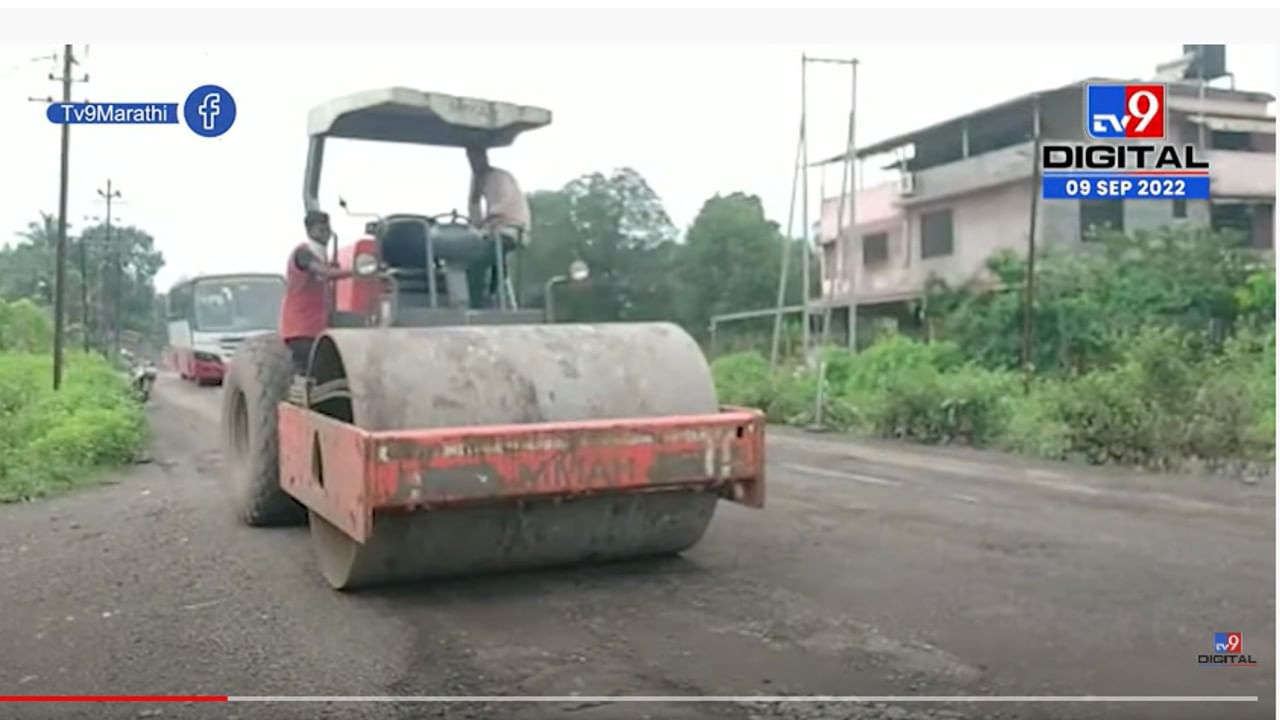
875,569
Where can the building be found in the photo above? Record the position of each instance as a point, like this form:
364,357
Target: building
964,190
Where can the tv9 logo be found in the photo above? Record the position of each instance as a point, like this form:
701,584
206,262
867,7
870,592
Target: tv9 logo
1228,642
1228,651
1118,112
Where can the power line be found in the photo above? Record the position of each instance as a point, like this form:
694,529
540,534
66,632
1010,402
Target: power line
18,66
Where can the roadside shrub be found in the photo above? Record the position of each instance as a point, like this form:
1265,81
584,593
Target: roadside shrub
876,367
1032,424
52,441
1233,412
965,405
1106,419
1167,399
794,392
742,379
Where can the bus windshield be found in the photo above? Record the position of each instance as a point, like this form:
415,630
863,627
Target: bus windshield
233,305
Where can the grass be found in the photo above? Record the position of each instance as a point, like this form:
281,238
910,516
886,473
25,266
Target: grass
54,442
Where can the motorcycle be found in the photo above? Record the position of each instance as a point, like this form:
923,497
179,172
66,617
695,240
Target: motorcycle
143,379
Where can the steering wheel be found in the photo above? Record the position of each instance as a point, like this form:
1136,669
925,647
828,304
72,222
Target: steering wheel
453,217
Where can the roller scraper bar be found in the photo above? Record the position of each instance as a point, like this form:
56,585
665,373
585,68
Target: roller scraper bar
346,474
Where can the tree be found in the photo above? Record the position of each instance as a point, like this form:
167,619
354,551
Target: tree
25,327
553,246
730,261
616,224
127,266
27,271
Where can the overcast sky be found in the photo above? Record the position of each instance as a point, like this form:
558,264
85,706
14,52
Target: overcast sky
694,121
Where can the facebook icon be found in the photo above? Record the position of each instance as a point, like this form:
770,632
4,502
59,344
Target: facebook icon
209,111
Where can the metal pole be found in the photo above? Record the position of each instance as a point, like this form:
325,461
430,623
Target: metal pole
854,184
786,256
1029,286
60,271
829,275
548,297
847,191
804,177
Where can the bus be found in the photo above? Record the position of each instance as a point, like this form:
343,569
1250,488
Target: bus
209,316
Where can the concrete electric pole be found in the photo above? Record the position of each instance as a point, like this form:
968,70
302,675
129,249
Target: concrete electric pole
60,262
117,272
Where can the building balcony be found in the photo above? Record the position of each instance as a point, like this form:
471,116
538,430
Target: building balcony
977,172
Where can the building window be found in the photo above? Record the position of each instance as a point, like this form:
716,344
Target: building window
1099,216
1179,208
1229,140
875,249
936,236
1232,218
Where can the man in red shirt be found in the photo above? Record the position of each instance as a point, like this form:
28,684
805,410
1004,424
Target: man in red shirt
304,312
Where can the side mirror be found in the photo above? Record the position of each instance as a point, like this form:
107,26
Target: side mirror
371,227
578,271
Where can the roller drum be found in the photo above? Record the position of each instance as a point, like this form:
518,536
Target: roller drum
404,378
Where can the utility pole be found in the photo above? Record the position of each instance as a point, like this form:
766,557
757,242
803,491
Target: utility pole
1029,287
117,271
60,255
804,208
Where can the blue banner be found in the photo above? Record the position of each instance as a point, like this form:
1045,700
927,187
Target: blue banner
1090,186
109,113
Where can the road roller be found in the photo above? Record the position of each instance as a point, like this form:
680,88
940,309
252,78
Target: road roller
439,430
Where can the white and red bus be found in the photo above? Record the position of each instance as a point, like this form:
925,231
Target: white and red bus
209,316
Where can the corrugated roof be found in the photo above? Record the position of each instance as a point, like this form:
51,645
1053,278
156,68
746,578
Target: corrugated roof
1176,88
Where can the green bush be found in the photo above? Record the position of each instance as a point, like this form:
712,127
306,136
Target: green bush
742,379
53,441
1032,424
1233,410
1106,419
1167,399
795,394
1168,396
966,404
872,369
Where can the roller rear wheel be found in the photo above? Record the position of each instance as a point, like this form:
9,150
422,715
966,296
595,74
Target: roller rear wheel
255,384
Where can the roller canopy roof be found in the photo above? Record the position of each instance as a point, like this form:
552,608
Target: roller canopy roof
405,115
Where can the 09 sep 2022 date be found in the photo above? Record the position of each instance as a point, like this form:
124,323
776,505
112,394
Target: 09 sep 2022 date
1136,187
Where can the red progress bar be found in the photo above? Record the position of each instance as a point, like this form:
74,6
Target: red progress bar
113,698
